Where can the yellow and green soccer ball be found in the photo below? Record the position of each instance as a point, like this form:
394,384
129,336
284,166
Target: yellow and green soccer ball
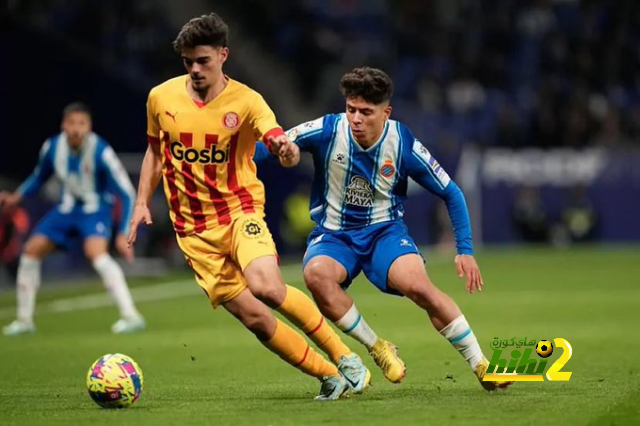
114,381
544,348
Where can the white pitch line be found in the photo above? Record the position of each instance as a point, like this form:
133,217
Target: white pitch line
151,293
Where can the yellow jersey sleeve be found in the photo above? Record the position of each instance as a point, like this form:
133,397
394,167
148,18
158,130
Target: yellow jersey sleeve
263,120
153,124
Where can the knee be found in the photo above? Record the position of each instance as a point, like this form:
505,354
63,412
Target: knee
319,279
268,287
272,294
94,255
423,294
34,250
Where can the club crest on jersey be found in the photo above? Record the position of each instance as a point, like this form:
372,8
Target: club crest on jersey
231,120
387,170
359,192
251,228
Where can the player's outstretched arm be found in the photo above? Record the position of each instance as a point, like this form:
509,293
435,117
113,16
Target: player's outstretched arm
120,184
150,174
35,181
425,170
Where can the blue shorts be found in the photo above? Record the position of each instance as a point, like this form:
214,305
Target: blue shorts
371,249
66,229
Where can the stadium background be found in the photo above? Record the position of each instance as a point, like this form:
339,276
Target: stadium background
532,106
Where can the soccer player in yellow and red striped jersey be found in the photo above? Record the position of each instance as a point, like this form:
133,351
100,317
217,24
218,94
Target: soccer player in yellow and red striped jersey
201,131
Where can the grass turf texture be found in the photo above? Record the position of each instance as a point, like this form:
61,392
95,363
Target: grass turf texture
202,367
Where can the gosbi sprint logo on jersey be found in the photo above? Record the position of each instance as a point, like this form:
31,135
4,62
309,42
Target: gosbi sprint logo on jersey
524,365
203,156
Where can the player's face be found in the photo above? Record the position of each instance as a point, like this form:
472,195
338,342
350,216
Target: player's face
76,125
204,65
366,119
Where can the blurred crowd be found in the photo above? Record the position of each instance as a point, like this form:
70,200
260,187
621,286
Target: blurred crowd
506,73
494,72
132,36
502,72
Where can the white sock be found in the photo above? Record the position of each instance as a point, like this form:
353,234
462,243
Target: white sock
462,338
28,283
355,326
115,283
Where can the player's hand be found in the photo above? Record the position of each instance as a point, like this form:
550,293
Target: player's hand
124,248
8,199
278,145
290,156
141,214
467,266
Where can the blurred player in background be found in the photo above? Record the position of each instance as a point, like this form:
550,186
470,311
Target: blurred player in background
362,164
201,136
90,174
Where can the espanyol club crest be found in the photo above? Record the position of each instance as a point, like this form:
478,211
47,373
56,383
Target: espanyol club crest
387,170
231,120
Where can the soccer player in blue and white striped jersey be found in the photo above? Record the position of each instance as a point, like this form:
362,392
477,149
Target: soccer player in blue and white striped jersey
363,161
91,175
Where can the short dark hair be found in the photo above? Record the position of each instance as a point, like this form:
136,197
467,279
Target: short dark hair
372,84
76,107
205,30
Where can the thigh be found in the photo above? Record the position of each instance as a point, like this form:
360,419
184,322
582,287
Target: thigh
392,243
252,240
407,275
216,273
56,227
321,245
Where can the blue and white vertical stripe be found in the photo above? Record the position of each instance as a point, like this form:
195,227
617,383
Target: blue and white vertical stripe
366,176
355,187
89,177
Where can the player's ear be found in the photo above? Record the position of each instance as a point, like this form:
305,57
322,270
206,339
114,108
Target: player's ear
387,111
224,54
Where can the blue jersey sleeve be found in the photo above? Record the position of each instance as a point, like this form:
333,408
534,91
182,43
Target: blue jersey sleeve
306,136
42,172
118,182
424,169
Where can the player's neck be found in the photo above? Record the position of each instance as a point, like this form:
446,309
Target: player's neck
211,93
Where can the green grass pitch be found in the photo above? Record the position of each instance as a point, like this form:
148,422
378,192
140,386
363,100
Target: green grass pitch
201,367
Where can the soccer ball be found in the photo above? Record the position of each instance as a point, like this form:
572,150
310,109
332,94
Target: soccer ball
114,381
544,348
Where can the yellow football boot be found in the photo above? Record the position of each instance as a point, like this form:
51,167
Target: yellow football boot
385,355
481,370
